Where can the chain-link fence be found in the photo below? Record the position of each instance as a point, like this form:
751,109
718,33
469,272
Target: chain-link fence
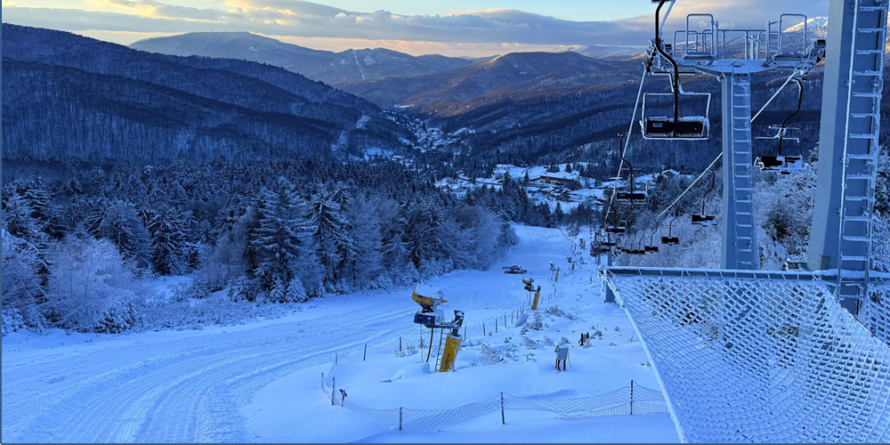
758,356
420,342
632,399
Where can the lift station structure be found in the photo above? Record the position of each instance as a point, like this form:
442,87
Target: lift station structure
732,56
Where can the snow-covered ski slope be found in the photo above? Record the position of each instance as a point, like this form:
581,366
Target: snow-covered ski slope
194,386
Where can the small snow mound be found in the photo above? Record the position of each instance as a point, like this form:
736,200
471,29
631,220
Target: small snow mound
416,369
521,319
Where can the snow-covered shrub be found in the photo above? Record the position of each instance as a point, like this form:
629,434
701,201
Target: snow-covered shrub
555,311
21,281
490,356
12,321
564,341
89,287
529,343
406,351
242,289
296,293
537,322
547,341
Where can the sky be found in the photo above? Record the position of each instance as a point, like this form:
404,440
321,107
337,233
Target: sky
475,28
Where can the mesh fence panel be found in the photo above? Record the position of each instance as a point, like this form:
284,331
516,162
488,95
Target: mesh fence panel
758,357
618,402
875,312
439,419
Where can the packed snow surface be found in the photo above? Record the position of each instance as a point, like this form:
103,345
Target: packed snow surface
259,382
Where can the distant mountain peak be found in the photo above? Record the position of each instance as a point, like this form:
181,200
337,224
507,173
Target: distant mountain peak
326,66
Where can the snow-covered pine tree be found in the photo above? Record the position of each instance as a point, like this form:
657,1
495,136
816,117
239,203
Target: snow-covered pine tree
280,238
120,223
365,257
329,229
168,242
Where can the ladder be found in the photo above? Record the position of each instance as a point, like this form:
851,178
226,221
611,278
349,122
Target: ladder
861,149
744,245
439,349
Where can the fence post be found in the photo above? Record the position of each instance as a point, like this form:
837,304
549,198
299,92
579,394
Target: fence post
505,321
495,325
334,389
400,418
631,397
400,344
322,381
483,329
503,421
365,356
465,332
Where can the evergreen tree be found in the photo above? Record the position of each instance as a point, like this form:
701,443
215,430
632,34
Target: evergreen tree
329,230
279,239
168,242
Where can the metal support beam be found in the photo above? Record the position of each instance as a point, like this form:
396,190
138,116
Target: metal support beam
739,230
610,295
842,220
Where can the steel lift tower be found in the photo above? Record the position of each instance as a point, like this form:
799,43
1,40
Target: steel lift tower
848,152
733,56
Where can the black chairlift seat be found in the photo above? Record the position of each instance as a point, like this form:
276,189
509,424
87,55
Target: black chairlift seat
687,128
785,165
599,250
670,241
627,197
652,249
704,220
771,163
617,230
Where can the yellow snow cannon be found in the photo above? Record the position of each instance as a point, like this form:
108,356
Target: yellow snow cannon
452,343
529,284
429,298
537,298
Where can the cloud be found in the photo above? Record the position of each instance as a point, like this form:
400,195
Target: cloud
300,19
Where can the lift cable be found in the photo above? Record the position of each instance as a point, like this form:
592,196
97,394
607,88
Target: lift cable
630,130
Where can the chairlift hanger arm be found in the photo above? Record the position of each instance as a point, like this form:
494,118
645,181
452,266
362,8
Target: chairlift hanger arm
629,165
705,196
676,76
799,104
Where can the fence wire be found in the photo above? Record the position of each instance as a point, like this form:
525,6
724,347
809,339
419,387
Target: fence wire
759,357
632,399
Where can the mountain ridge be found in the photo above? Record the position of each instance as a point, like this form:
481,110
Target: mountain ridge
326,66
257,111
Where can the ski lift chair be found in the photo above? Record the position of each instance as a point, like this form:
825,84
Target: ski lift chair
652,247
676,127
704,219
615,228
639,250
784,164
671,240
608,241
624,196
598,247
618,230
